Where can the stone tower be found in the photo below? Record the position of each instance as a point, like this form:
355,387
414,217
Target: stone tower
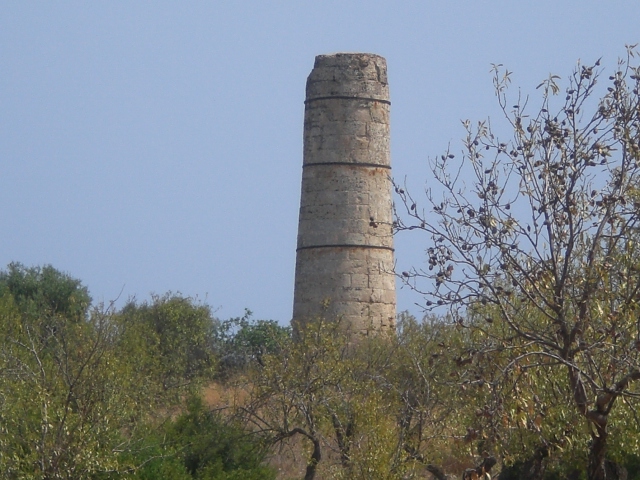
344,263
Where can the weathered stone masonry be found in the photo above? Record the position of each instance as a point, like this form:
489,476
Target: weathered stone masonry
344,264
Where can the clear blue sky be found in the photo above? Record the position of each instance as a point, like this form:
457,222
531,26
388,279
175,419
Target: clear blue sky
155,146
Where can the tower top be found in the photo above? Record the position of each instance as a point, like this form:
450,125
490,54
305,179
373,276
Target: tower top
349,75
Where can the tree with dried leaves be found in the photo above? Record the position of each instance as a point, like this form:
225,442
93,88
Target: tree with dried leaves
539,232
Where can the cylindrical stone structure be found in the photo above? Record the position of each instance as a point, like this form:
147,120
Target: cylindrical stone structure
344,262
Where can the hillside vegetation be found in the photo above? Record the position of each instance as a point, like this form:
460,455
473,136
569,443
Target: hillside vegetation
95,392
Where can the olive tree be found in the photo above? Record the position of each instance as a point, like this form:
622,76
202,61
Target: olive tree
538,230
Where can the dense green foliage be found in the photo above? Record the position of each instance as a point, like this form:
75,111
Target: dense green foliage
241,340
87,392
45,291
202,444
171,339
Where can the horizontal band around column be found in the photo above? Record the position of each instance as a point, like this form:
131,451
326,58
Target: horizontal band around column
347,97
346,245
351,164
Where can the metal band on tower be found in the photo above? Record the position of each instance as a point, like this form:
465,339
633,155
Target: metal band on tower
344,264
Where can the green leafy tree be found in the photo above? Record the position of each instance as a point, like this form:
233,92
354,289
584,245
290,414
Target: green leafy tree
539,233
241,340
62,408
172,339
39,291
205,445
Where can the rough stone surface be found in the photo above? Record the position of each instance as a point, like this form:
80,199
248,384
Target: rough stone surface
344,265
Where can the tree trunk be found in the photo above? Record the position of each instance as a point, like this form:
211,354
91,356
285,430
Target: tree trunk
343,437
598,419
316,456
437,472
597,454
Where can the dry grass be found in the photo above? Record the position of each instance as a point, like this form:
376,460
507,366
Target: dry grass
228,395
